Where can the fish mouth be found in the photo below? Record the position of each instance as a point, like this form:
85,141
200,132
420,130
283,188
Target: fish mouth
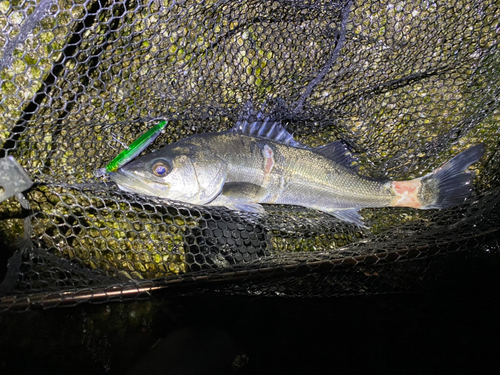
129,182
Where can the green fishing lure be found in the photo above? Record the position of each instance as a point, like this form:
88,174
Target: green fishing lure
138,146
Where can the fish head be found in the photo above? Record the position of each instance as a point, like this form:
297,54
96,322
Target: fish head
176,173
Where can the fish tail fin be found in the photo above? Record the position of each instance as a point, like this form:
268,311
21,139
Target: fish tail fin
448,185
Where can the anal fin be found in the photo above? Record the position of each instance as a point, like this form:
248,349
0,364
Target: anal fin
351,215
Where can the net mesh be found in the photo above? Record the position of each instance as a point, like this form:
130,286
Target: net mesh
407,85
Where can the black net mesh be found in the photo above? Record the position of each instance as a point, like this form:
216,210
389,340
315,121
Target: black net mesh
407,85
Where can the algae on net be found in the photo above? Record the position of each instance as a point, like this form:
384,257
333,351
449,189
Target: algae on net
125,239
414,84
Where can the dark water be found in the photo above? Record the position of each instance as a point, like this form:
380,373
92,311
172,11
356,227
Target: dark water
453,326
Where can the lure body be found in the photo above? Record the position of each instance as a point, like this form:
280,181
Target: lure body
134,150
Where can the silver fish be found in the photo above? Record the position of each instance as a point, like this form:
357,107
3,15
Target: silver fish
260,162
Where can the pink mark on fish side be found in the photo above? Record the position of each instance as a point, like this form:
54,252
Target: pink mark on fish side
269,164
406,193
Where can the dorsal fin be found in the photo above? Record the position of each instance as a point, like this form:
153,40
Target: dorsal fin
339,153
266,128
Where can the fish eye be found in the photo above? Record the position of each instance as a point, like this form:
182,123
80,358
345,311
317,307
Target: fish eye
160,168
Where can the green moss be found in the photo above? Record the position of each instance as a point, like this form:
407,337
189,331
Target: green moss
152,65
95,231
11,222
9,88
31,59
4,6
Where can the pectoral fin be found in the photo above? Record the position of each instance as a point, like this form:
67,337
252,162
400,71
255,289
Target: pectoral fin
241,196
243,191
246,207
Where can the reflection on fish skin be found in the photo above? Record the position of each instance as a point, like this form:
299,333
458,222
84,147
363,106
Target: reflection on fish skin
260,162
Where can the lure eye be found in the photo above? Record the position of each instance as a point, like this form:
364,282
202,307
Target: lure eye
160,169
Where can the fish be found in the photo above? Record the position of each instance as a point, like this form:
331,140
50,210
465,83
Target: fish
259,162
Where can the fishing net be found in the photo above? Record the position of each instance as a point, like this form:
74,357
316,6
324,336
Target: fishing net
405,85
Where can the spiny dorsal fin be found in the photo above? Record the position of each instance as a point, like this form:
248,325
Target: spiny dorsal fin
266,128
339,153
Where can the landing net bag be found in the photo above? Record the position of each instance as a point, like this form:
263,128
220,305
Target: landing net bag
406,85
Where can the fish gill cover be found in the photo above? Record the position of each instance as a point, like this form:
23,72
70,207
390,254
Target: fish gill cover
406,85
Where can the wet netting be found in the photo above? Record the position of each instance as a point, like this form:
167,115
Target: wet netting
406,85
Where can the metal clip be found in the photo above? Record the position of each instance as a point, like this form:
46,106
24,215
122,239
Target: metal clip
13,178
